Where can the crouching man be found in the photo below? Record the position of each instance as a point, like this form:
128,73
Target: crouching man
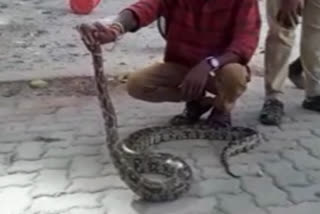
208,46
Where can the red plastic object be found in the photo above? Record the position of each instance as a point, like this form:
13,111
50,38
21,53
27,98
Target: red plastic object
83,6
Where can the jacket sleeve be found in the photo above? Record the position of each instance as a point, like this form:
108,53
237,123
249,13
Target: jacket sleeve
146,11
246,30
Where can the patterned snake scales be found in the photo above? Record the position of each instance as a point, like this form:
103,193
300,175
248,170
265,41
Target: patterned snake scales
132,157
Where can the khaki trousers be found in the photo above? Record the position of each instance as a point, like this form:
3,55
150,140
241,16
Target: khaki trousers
279,44
160,83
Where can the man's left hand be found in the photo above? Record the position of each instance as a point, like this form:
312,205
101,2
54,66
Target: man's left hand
289,12
195,81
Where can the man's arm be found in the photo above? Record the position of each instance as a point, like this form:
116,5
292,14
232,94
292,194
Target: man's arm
245,34
130,19
140,14
228,57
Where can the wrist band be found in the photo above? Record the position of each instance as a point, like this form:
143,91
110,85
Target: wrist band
119,26
118,29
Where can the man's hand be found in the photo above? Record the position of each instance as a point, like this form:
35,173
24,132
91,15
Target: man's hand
289,12
195,81
97,32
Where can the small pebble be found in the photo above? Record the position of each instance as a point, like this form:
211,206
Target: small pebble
38,84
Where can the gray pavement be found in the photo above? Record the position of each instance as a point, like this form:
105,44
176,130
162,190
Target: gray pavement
53,159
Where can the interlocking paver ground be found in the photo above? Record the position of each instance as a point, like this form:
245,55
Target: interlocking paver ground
53,159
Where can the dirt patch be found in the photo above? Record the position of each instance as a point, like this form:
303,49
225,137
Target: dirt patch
70,86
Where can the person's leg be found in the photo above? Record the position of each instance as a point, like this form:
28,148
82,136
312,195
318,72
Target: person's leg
279,43
228,85
159,83
310,54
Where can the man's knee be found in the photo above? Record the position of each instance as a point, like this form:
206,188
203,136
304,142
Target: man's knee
135,85
233,79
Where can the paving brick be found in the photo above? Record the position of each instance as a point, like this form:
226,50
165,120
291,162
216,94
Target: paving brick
91,129
20,118
72,151
312,145
55,163
266,194
16,180
13,127
182,153
52,127
15,200
297,125
255,157
290,135
50,183
85,167
5,111
61,144
274,146
7,148
96,184
205,157
43,119
109,169
288,175
187,145
86,211
64,203
25,167
63,135
88,140
314,176
121,201
184,205
32,166
301,159
3,170
16,138
213,186
29,151
105,155
241,203
70,112
302,208
304,194
306,117
267,129
213,172
316,130
5,159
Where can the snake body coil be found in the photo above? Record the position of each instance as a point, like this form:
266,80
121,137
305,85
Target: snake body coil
132,157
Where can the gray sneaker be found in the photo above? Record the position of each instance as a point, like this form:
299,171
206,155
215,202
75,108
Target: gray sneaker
272,112
312,103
